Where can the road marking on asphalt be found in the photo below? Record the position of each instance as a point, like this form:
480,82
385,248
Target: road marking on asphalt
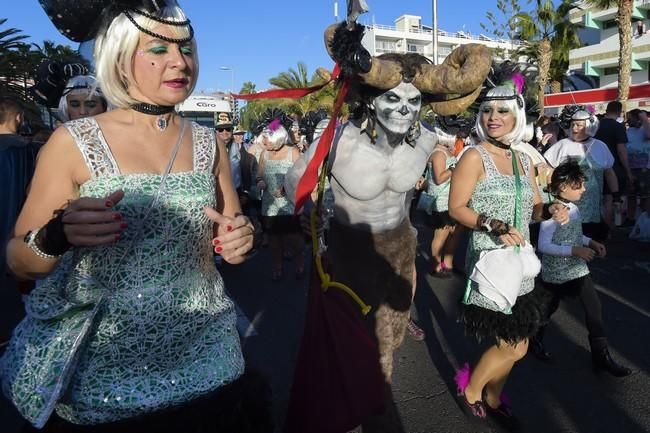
643,265
622,300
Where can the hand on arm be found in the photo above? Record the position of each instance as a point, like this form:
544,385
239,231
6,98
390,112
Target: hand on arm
467,173
81,221
545,244
585,253
233,231
235,238
599,248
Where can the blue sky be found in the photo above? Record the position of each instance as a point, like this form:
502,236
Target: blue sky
258,39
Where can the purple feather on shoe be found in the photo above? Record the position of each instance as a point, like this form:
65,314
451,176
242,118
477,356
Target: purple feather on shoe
462,378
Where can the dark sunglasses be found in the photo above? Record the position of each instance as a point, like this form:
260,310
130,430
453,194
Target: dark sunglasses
224,129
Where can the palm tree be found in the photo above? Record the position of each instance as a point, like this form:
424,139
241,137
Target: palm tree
292,79
545,30
563,41
247,88
10,38
624,19
59,53
10,72
323,98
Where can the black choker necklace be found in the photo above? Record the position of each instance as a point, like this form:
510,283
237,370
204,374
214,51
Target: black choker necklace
498,144
155,110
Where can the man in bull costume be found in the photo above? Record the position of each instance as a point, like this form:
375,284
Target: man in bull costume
376,158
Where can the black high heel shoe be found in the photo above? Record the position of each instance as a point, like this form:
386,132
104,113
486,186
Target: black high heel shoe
502,415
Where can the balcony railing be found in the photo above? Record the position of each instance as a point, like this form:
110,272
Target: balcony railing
459,35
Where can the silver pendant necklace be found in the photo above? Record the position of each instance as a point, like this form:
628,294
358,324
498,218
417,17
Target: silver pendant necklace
161,123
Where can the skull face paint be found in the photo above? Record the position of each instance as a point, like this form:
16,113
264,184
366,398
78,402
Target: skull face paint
398,108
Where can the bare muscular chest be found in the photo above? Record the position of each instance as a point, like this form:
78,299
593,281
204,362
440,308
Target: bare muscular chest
365,172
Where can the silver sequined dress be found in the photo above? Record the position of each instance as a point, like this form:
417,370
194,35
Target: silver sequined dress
165,330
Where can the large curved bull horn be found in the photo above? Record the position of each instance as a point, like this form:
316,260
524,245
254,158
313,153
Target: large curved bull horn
462,72
383,74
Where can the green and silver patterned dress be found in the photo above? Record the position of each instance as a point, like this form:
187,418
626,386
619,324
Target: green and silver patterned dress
133,327
440,192
494,196
589,204
558,269
274,172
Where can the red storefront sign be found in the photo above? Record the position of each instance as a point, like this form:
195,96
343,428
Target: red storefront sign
595,96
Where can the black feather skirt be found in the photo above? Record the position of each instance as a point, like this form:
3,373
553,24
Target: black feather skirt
528,314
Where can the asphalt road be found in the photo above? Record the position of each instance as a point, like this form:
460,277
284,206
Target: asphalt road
565,396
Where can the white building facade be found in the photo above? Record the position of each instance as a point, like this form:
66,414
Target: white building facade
409,35
599,57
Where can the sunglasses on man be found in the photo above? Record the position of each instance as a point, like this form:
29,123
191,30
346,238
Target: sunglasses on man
224,129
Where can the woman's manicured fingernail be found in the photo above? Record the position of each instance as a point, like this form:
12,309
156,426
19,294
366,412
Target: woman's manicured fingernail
229,228
117,216
216,241
124,225
117,237
108,203
218,249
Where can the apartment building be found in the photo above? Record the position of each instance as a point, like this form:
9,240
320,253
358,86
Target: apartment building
409,35
599,57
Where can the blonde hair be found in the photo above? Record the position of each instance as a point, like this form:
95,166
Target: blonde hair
516,106
116,46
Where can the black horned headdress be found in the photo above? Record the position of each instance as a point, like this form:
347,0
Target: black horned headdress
82,20
310,121
51,80
271,119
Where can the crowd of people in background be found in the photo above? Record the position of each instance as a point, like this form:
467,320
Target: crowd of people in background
165,220
610,184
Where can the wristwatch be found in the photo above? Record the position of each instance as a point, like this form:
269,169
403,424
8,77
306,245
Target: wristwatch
30,240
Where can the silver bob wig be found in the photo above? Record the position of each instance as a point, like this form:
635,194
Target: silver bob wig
116,46
80,84
504,96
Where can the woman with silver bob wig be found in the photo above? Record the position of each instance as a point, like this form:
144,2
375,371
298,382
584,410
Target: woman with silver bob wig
506,98
491,185
278,219
578,113
595,159
130,328
81,97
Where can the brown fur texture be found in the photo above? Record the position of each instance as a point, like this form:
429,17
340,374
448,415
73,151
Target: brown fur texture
379,268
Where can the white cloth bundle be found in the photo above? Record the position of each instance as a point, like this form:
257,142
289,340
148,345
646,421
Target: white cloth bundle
500,272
